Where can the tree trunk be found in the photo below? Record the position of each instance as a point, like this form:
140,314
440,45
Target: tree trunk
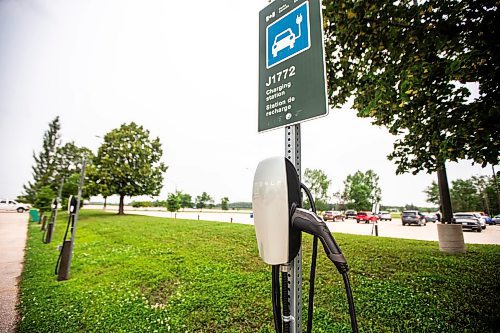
451,237
444,196
105,203
496,185
120,207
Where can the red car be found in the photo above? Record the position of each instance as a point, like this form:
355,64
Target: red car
366,217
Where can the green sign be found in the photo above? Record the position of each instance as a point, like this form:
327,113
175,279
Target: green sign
292,80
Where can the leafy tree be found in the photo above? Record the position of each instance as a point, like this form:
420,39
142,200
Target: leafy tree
44,197
464,196
224,203
361,190
186,200
173,202
481,184
70,188
100,181
129,163
410,207
203,200
69,159
404,63
318,183
45,166
432,193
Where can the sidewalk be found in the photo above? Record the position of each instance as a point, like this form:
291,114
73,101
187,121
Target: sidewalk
13,233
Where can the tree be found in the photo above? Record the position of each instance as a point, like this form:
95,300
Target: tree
45,165
186,200
432,193
99,180
129,163
70,188
173,202
318,183
361,190
203,200
405,64
224,203
44,197
69,159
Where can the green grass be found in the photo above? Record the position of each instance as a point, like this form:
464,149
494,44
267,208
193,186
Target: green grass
144,274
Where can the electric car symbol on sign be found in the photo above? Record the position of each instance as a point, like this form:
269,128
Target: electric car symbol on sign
286,38
283,40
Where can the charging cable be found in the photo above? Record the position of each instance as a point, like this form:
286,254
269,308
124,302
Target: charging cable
333,253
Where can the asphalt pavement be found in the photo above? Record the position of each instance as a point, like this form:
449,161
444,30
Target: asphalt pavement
13,234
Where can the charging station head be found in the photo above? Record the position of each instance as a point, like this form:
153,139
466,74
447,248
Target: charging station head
72,204
276,188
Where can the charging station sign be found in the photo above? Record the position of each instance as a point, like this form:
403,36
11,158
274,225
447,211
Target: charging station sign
292,79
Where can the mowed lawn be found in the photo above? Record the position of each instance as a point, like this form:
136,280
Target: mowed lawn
144,274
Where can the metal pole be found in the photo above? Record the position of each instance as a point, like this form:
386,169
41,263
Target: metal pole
66,263
293,152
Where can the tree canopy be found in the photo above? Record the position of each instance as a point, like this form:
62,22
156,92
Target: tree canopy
204,200
318,183
128,163
405,65
44,168
362,190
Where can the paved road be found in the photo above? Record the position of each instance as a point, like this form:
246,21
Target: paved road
392,228
13,233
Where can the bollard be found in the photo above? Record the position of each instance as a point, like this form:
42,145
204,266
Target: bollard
44,221
50,232
231,220
63,273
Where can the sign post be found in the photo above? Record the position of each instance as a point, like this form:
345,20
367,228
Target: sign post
292,89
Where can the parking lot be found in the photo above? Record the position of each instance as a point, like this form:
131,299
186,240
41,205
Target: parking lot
394,228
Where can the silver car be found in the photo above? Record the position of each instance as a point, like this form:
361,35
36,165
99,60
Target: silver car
469,221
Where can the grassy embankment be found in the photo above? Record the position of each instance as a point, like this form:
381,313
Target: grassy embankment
145,274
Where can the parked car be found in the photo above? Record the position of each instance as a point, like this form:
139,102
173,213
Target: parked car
385,216
485,219
468,221
413,217
366,217
496,219
350,214
430,217
11,205
333,216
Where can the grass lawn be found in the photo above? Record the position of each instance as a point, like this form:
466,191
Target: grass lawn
144,274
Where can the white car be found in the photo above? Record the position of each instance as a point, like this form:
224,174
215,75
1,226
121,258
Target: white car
385,216
482,219
11,205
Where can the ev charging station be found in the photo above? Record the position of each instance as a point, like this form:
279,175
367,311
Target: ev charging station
49,229
292,89
63,263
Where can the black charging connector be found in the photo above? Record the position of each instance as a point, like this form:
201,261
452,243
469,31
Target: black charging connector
310,222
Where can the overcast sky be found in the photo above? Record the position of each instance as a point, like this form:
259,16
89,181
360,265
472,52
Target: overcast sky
185,70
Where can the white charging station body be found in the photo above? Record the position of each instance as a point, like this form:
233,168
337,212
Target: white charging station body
275,188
